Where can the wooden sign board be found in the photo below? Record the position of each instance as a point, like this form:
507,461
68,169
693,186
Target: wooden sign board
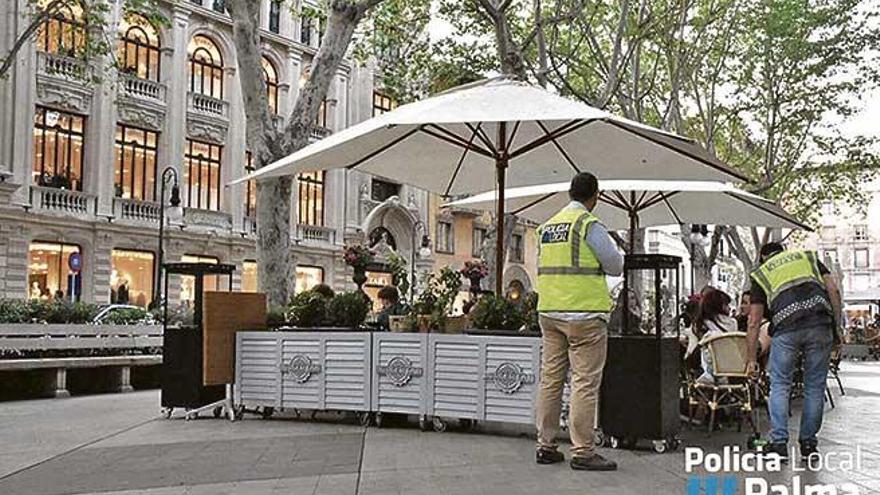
223,314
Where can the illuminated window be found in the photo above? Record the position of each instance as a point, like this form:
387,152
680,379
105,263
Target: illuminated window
58,149
517,248
311,198
308,277
62,34
202,175
188,282
274,16
249,276
49,274
375,282
139,48
135,174
478,238
444,238
205,67
382,103
131,281
270,77
251,187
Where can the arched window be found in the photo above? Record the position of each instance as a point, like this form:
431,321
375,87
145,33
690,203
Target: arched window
270,76
205,67
63,33
139,48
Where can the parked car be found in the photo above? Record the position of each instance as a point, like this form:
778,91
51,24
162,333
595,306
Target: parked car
123,314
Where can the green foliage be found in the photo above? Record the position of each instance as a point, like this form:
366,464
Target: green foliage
497,313
308,309
126,316
348,310
437,296
530,312
276,317
54,311
399,273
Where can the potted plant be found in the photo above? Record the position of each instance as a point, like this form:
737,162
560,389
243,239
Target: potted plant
433,304
475,271
358,257
494,312
348,310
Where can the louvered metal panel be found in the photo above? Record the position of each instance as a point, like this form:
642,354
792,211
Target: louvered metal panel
512,374
399,382
257,376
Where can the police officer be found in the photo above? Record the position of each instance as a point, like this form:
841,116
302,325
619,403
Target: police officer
576,253
802,302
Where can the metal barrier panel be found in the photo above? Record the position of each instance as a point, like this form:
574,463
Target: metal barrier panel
456,386
399,382
347,371
302,384
512,375
257,375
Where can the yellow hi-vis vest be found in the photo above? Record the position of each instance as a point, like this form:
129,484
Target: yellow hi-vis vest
570,278
786,270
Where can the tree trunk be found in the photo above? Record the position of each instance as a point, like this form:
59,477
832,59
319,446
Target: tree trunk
267,144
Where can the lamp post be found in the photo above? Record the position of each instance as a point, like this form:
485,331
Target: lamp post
169,174
424,251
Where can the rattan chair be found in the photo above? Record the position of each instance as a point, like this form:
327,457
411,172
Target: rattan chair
732,388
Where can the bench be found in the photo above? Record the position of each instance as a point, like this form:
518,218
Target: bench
36,346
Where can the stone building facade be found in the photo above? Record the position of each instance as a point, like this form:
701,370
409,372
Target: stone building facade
83,150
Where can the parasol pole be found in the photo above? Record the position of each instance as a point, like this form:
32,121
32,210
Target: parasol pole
501,170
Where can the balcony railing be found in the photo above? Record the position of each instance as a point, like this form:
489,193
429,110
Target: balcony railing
313,234
142,88
133,210
208,105
207,218
63,201
63,67
319,133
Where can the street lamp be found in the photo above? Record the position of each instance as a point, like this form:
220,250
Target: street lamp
176,212
424,251
699,235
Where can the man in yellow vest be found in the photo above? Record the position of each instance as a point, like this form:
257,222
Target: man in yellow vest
800,298
576,253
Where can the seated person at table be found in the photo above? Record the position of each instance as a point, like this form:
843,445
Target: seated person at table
713,319
389,298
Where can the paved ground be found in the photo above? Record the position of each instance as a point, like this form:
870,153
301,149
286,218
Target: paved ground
116,444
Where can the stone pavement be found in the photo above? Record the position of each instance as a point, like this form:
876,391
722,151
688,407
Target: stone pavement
117,444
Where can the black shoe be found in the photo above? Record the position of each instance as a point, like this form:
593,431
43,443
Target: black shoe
548,456
777,448
594,462
809,449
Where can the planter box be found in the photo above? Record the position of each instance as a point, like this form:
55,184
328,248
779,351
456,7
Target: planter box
304,370
400,373
489,378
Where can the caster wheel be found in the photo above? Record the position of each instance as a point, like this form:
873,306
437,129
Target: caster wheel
239,413
439,425
660,446
598,438
166,412
378,420
365,419
614,442
217,412
267,412
423,423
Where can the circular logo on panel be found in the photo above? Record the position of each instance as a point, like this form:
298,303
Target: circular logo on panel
300,367
400,370
509,377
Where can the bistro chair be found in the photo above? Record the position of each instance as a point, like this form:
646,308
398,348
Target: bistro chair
731,391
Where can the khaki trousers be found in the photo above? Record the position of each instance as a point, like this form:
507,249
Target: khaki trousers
583,345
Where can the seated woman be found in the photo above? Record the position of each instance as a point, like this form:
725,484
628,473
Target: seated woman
389,299
713,318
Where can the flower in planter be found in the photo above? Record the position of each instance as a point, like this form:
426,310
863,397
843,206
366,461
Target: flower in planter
357,255
476,269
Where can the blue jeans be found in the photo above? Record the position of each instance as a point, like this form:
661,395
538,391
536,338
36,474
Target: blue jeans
815,343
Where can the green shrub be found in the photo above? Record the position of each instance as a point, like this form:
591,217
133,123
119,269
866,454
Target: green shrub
276,317
308,309
496,313
14,311
70,312
348,310
126,316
